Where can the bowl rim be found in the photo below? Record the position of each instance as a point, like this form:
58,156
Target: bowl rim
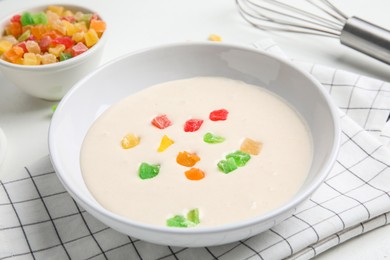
268,216
58,65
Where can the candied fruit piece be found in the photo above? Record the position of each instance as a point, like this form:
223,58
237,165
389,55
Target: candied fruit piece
15,18
212,138
26,19
194,174
78,49
193,216
59,26
44,43
215,38
33,47
130,141
14,29
14,55
78,37
251,146
38,31
65,40
187,159
31,59
227,166
192,125
91,38
219,115
24,36
56,9
70,28
161,121
98,25
165,143
5,46
179,221
148,171
240,158
81,26
57,50
192,219
65,56
39,18
48,58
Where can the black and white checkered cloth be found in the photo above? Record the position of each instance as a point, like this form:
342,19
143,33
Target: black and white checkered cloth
39,220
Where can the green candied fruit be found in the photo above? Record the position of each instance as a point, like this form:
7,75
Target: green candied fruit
65,56
54,107
24,36
239,157
212,138
181,221
148,171
86,18
39,18
193,216
26,19
227,165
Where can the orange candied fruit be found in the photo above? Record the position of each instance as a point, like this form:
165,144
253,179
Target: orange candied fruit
14,55
194,174
187,159
251,146
98,25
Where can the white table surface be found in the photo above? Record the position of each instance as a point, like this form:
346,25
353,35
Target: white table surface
139,24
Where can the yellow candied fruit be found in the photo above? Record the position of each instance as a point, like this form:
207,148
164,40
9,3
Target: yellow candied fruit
59,27
70,28
48,58
31,59
33,47
5,46
78,37
91,38
52,17
251,146
67,13
215,38
56,51
81,26
56,9
130,141
165,143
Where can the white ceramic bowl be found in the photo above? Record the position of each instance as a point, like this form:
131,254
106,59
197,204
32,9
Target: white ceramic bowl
52,81
131,73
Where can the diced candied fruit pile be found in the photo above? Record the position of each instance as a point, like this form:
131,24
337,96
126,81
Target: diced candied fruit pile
230,163
53,35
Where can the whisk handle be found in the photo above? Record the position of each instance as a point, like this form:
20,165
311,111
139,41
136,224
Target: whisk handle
367,38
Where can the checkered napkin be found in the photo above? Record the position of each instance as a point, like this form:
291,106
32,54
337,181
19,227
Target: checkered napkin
39,220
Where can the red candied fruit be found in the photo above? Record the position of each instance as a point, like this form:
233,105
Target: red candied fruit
78,49
219,115
67,41
23,46
16,18
44,43
161,121
193,125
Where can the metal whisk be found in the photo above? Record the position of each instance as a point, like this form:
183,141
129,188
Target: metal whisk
321,18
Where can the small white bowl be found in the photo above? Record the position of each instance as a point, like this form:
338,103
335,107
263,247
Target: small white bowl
134,72
52,81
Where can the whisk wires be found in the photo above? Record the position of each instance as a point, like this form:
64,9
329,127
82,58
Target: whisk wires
321,17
